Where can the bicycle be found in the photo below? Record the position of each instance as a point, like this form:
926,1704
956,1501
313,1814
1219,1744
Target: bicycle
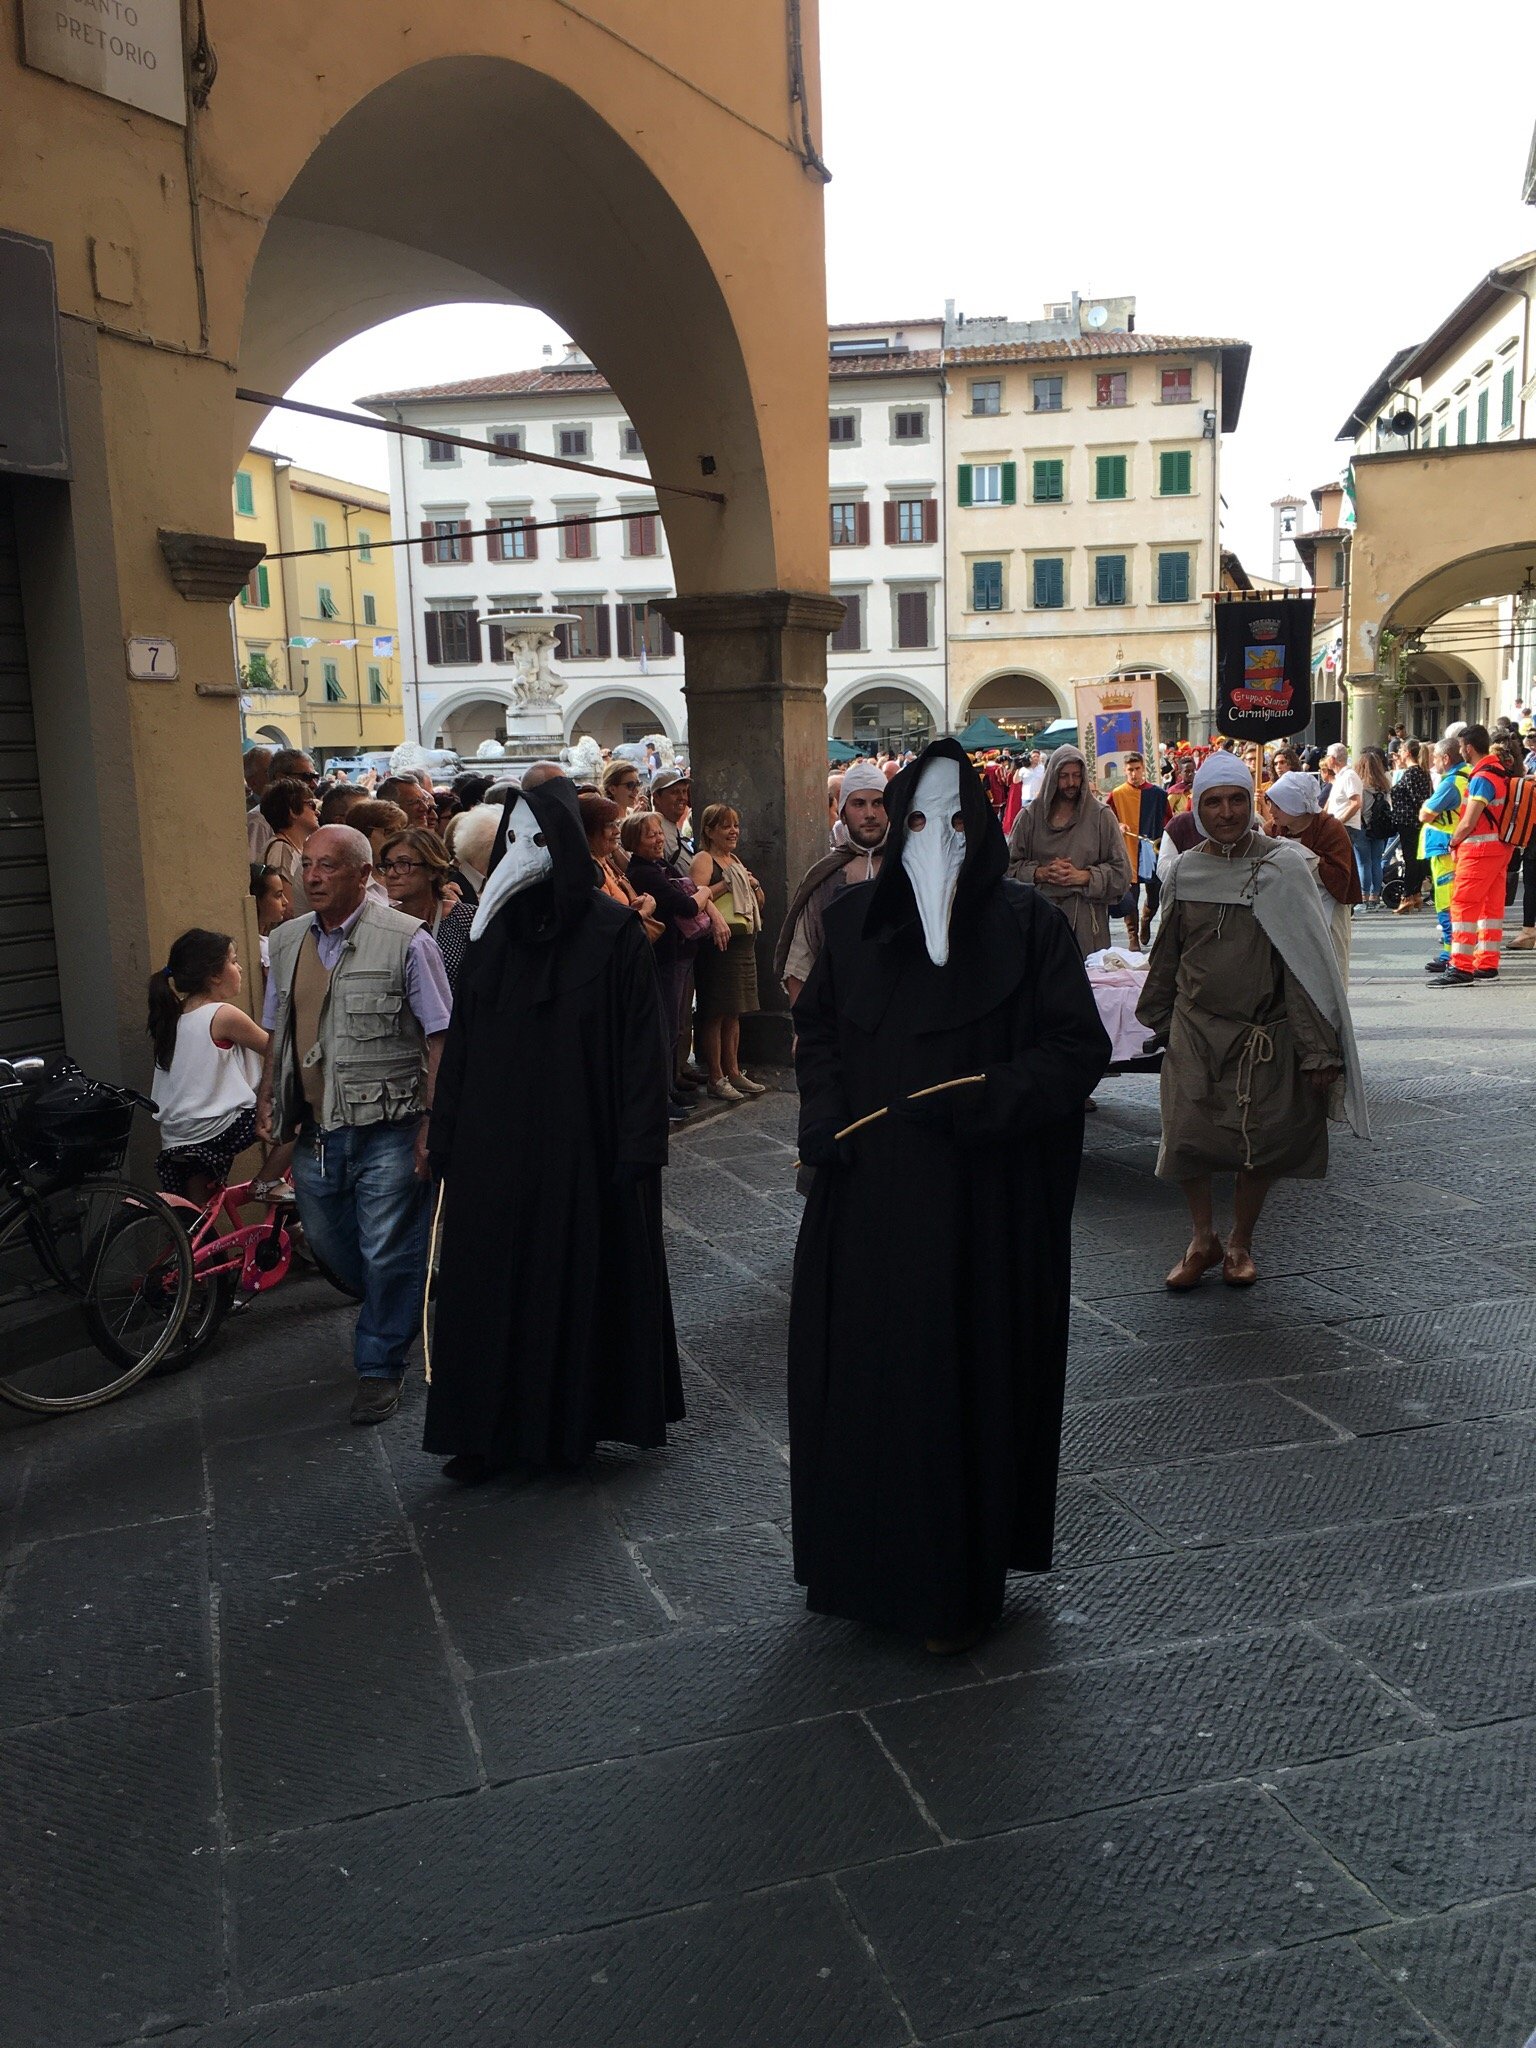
95,1273
233,1262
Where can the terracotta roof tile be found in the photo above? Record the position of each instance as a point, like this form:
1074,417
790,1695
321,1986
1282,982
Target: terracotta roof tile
1087,345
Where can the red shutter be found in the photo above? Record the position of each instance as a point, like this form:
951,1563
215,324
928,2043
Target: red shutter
563,642
930,519
625,624
429,545
604,633
863,526
434,641
466,528
832,525
496,636
472,620
493,547
667,646
890,520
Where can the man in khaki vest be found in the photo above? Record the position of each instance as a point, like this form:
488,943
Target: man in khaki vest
357,1005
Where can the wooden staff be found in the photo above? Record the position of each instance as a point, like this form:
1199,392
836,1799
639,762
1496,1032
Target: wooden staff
965,1081
426,1298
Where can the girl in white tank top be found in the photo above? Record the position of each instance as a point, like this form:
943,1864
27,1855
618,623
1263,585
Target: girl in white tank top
207,1063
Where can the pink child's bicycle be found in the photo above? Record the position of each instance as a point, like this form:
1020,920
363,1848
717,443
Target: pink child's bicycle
233,1262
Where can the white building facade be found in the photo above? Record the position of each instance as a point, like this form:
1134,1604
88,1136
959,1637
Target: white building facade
487,541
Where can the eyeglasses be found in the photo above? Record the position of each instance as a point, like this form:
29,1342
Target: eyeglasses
627,782
402,867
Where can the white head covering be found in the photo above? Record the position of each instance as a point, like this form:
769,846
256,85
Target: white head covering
526,859
934,856
861,778
1296,794
1219,771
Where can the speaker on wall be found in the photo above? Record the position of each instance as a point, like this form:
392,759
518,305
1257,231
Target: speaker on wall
1327,724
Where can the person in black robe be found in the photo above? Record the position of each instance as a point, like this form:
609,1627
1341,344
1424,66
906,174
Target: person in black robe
549,1131
923,1453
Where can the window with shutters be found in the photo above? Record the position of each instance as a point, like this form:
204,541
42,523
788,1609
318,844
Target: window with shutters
1049,583
1177,387
1440,437
1340,568
986,586
586,637
452,637
914,521
1173,578
1174,473
1109,473
447,540
1049,393
318,534
640,535
440,453
509,444
988,483
642,632
910,423
849,637
1110,388
245,493
328,608
258,670
334,693
1507,399
1109,579
629,440
1048,481
511,538
843,429
578,540
1461,427
376,685
364,544
256,591
370,609
987,396
912,610
574,442
849,525
1482,414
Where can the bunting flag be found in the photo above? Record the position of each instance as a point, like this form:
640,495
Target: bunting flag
303,640
384,644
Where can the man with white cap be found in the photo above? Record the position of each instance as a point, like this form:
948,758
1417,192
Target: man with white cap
1244,991
924,1445
1294,810
861,813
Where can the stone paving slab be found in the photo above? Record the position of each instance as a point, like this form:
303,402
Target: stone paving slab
301,1745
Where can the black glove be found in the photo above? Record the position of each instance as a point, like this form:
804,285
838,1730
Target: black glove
819,1147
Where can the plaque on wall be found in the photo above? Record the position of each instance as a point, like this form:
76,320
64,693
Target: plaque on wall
129,50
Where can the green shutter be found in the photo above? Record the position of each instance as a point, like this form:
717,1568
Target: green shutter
1507,400
1482,414
1050,583
1173,579
245,493
263,595
1010,483
1173,480
1109,476
965,483
1050,482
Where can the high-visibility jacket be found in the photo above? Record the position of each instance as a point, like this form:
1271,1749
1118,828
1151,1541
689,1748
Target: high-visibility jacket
1436,839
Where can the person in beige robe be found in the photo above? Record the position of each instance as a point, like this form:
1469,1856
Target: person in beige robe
1070,846
1244,991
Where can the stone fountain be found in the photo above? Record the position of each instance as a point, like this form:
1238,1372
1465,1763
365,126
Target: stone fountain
535,727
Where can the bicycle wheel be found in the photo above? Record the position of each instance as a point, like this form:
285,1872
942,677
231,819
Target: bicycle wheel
95,1281
211,1299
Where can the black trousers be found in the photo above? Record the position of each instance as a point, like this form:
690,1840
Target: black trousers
1415,871
1524,858
1126,907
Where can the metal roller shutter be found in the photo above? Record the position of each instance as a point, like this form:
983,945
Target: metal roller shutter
30,1017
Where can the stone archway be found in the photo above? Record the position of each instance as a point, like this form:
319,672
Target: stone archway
468,721
883,714
615,717
1016,697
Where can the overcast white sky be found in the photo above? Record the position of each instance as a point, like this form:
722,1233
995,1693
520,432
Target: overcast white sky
1325,185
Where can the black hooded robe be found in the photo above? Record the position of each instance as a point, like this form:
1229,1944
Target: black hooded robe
928,1330
549,1127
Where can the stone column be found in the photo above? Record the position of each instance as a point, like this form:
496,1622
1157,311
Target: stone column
1364,710
755,680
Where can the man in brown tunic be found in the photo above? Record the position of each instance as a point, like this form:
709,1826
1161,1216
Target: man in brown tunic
1071,848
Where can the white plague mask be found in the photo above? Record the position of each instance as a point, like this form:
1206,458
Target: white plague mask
933,851
526,861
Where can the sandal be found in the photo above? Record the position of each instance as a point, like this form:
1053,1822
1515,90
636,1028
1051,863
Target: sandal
1193,1266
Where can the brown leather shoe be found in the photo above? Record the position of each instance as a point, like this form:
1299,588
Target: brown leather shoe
1237,1268
1188,1272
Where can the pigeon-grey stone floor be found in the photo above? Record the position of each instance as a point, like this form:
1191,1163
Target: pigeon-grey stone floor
298,1746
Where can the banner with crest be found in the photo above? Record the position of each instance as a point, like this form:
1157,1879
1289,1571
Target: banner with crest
1263,665
1116,717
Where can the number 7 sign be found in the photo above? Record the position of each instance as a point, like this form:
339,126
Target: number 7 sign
152,659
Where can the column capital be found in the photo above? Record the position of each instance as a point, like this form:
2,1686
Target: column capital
752,611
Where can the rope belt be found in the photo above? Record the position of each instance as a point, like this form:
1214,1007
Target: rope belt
1258,1050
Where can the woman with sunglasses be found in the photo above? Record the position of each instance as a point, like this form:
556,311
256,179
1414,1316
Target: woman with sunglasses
416,870
292,812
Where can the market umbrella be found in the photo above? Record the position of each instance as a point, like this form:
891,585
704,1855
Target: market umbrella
982,733
1061,733
839,750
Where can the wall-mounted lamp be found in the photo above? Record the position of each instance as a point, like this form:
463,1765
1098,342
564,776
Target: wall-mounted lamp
1208,425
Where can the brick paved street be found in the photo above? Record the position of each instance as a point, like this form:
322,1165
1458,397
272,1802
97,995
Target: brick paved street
301,1747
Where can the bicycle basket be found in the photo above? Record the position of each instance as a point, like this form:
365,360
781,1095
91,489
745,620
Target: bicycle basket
70,1126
